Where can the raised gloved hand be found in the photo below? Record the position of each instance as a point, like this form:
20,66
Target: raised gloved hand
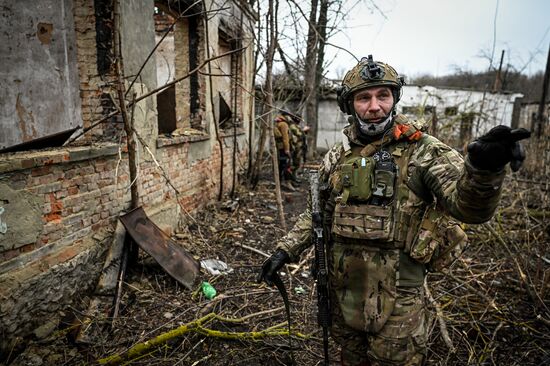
272,265
497,148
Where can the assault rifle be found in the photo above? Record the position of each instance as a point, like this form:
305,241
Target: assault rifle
321,271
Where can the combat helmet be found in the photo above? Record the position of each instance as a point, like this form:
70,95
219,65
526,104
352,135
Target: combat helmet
365,74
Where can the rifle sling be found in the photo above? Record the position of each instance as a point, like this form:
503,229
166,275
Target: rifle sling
282,290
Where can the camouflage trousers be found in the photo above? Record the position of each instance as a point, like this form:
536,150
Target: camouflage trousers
297,160
401,341
285,167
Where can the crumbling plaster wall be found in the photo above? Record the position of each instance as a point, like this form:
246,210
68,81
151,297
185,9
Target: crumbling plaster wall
38,64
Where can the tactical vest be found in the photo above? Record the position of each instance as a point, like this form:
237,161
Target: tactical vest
370,188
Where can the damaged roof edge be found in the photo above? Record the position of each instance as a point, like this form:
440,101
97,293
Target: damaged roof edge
53,140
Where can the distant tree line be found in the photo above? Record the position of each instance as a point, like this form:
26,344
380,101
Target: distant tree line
511,81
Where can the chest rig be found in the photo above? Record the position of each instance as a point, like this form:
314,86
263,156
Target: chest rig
367,183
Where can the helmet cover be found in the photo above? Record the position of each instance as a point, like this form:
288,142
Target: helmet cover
367,73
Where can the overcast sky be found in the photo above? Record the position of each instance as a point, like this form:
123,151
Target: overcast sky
433,36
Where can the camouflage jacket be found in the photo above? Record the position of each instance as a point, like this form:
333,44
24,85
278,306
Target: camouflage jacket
296,136
435,174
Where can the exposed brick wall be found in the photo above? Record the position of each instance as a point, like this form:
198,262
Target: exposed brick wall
87,67
163,22
93,87
82,196
79,196
82,193
197,182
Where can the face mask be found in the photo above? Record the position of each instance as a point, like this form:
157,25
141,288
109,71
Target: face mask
372,129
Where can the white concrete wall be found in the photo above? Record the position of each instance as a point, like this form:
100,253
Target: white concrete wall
490,109
331,123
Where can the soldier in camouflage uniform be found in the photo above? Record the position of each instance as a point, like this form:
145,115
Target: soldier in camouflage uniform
283,137
297,145
392,197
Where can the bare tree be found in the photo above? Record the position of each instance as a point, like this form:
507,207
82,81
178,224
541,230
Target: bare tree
310,76
268,90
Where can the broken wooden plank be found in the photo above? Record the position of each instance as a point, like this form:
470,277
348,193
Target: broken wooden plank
102,302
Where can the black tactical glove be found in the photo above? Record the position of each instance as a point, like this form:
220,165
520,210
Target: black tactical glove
497,148
272,265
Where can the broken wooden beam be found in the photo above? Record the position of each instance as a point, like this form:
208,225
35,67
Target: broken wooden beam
102,302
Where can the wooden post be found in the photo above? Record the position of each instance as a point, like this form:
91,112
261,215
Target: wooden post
433,131
272,43
498,81
130,250
540,114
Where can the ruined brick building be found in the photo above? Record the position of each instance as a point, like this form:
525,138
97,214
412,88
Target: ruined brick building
60,197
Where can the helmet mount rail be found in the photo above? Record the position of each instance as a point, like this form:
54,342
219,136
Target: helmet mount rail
371,71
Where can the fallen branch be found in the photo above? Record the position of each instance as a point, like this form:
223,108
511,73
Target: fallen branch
490,301
522,276
197,326
257,251
306,258
442,324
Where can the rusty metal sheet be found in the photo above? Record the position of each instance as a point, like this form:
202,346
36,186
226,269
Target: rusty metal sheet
173,258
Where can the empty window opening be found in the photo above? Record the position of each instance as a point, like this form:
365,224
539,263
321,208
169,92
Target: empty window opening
194,101
166,70
228,73
104,35
177,55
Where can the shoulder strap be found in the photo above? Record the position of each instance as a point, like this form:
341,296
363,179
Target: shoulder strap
373,147
346,144
282,290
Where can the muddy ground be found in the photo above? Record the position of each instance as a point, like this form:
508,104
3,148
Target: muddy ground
493,303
